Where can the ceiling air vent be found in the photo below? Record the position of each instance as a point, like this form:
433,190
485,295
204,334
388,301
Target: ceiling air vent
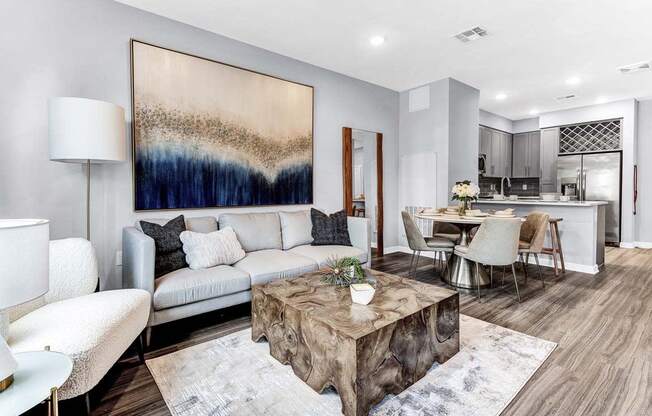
565,97
471,34
633,68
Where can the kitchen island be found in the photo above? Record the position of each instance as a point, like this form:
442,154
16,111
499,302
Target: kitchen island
582,231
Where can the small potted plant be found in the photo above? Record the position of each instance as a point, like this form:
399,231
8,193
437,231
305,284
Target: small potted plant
345,272
342,271
465,192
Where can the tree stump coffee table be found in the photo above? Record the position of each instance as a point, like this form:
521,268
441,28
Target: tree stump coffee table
364,352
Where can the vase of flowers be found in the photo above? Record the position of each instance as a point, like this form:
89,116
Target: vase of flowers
465,192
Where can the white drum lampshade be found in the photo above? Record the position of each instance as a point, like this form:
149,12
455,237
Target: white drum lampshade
81,130
24,274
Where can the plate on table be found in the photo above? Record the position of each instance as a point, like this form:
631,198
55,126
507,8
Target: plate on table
503,215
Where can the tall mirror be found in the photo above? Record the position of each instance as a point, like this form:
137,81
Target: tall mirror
363,179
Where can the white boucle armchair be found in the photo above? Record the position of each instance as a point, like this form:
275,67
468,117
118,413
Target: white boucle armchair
93,328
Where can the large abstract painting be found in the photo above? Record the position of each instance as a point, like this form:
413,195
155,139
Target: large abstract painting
207,134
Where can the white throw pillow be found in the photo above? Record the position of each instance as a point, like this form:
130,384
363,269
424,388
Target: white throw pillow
296,228
205,250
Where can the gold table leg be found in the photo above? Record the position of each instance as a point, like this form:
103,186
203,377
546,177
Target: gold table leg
53,402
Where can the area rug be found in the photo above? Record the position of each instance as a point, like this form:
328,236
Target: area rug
233,375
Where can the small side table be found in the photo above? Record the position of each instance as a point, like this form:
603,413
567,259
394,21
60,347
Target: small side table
39,375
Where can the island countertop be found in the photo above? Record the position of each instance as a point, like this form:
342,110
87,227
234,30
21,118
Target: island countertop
541,202
582,228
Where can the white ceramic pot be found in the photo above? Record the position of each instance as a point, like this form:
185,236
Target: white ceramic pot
362,293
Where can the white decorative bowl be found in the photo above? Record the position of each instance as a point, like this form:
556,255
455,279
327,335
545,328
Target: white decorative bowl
362,293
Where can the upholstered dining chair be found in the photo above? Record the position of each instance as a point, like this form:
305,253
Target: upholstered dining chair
418,243
495,244
532,236
446,230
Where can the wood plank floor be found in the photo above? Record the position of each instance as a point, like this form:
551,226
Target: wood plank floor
602,323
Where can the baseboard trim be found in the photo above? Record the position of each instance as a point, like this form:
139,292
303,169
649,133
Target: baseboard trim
544,260
407,250
637,244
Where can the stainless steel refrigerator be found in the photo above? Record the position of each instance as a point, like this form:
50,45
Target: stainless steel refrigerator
594,177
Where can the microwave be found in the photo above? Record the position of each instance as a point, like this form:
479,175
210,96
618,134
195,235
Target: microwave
482,164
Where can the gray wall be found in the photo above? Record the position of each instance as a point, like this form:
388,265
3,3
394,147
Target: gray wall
81,48
463,133
526,125
644,153
495,121
427,131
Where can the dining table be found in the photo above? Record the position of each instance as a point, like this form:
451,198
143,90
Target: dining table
460,270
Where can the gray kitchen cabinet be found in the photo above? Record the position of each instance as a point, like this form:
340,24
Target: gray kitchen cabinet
526,153
534,154
497,146
548,159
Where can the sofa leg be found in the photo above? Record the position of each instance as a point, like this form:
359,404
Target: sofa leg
140,347
147,335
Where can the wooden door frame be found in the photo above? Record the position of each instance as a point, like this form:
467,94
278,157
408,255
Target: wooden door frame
347,179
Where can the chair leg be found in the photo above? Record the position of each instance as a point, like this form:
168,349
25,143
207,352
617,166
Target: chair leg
416,264
561,253
491,276
446,268
518,295
536,259
87,403
554,248
527,262
477,279
409,273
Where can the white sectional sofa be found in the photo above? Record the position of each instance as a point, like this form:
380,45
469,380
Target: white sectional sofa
187,292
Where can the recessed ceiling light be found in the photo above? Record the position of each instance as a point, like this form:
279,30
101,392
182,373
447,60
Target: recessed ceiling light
376,40
501,96
534,112
573,81
601,100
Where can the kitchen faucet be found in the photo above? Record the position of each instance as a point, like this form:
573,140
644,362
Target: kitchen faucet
502,182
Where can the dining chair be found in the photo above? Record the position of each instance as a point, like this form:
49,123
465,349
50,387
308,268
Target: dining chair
532,236
495,244
418,243
446,230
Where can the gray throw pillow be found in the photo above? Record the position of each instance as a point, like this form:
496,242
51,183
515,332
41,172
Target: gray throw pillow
169,248
330,230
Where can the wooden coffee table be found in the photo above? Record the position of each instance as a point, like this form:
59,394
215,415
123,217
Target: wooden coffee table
364,352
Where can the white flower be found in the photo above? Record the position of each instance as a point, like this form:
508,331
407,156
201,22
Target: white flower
466,191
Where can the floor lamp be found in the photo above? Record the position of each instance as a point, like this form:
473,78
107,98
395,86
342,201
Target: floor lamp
86,131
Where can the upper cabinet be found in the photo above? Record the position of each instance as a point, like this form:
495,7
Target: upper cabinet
497,147
548,159
526,153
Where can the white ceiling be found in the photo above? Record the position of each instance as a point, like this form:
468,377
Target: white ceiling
533,46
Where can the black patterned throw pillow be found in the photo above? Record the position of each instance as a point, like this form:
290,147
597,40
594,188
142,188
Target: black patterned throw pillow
330,229
169,249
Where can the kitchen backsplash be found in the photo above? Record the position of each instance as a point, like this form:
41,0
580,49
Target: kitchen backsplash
532,185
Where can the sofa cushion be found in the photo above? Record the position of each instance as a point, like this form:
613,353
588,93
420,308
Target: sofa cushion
321,254
266,265
201,224
186,286
211,249
255,231
196,224
330,229
169,251
93,330
296,228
